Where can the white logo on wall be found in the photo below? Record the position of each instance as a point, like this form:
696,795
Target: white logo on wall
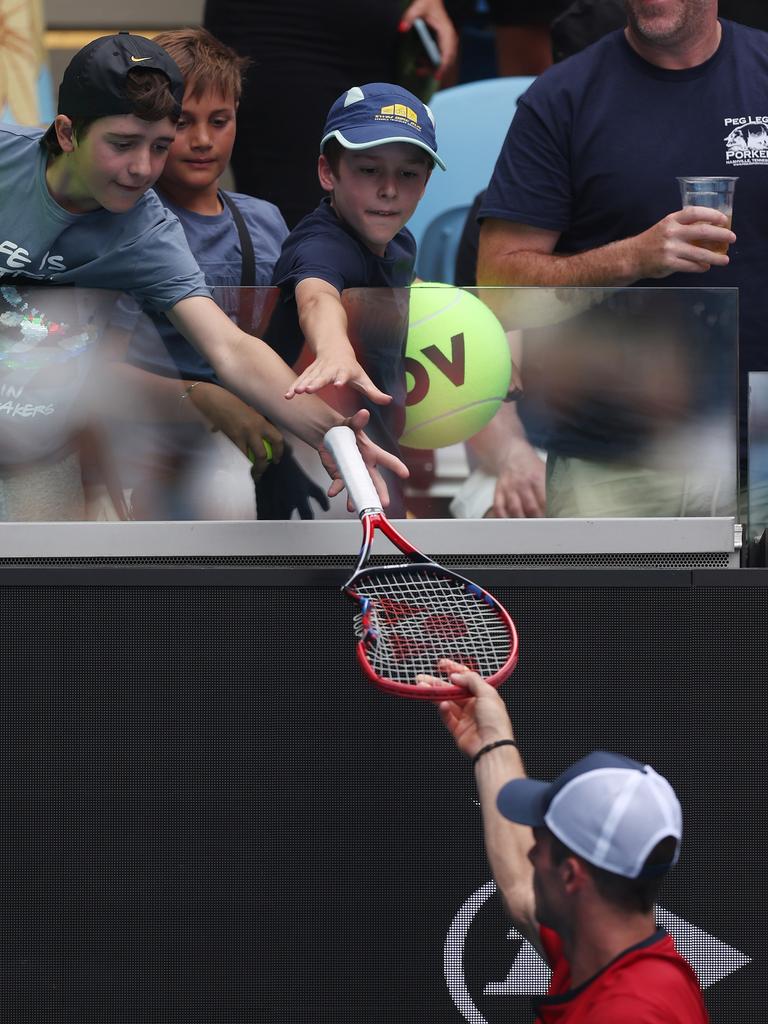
528,975
747,140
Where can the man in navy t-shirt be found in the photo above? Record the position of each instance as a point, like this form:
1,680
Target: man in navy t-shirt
584,191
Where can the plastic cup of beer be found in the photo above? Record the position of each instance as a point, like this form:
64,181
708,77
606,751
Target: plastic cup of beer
714,193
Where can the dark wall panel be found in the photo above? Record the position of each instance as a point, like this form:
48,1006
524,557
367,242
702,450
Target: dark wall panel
209,816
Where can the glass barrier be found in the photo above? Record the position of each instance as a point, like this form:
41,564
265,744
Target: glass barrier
506,402
757,491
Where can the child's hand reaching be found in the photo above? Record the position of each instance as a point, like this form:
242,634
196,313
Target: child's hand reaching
337,367
323,321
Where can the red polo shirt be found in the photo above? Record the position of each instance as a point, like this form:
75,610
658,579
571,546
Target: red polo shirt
649,983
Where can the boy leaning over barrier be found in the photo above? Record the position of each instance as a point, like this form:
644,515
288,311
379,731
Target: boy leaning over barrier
236,241
377,152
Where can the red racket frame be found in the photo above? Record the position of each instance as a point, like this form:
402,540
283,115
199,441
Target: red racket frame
372,521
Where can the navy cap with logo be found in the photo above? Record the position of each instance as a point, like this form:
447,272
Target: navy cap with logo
370,115
94,81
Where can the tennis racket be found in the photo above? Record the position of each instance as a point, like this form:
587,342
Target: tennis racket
414,612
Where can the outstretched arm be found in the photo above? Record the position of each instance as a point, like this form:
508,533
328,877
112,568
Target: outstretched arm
323,322
250,368
475,723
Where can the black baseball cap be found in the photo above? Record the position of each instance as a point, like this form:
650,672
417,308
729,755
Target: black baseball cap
94,81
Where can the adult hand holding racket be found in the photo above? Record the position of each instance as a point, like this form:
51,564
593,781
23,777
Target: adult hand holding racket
414,614
474,723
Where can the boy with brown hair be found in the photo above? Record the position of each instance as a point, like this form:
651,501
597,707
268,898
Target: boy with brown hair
236,241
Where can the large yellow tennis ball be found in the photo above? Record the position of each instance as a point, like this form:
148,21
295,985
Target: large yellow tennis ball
457,364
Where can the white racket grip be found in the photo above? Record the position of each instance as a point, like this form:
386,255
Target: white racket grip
342,445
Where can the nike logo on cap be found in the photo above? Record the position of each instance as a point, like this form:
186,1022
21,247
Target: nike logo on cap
138,60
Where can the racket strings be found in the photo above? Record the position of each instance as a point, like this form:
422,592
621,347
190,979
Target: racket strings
411,620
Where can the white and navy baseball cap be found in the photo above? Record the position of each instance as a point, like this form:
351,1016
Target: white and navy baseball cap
369,115
608,809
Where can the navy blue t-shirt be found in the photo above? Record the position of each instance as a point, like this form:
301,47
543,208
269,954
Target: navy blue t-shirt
597,143
324,247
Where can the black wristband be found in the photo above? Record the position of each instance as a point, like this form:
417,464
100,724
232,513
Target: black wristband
491,746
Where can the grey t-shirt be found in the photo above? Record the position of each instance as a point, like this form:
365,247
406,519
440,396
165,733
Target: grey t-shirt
143,252
156,345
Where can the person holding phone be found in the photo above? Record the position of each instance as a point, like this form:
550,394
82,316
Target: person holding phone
304,55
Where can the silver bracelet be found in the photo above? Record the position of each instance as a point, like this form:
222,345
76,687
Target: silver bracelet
188,390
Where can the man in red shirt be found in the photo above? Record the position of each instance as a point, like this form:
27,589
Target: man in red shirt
579,862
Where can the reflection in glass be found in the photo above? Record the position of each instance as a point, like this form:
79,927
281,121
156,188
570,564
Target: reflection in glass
627,395
758,454
566,402
633,399
50,344
188,456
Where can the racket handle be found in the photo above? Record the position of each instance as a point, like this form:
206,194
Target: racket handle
342,445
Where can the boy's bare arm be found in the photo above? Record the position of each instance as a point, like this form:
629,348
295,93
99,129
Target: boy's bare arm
137,395
250,368
323,321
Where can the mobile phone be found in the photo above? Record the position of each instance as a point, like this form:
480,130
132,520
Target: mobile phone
427,41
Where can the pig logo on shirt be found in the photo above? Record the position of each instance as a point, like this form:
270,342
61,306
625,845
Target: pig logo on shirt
747,142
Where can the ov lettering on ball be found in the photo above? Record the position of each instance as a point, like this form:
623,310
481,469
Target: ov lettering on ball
458,366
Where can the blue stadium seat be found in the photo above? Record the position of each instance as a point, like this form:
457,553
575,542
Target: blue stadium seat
472,121
438,247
